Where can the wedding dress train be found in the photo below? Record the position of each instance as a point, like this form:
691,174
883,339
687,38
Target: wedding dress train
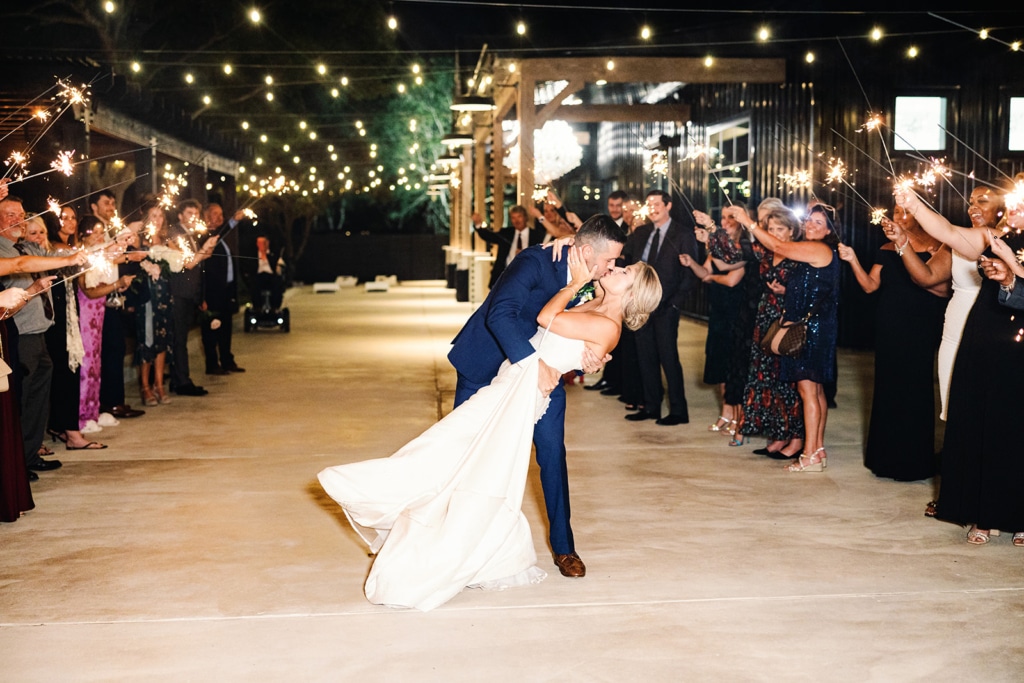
444,512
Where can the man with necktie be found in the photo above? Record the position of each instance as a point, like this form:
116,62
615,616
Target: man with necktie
660,244
510,240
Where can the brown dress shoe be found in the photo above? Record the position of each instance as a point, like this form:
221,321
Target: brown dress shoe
571,565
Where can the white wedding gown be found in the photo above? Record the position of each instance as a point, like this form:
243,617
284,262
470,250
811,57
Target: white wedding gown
444,512
966,285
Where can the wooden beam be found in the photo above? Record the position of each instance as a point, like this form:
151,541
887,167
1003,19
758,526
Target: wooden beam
527,112
548,109
656,70
625,113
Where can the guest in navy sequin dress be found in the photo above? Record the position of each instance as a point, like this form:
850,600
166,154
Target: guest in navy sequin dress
812,295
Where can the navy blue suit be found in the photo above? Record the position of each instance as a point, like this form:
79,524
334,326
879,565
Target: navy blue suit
501,328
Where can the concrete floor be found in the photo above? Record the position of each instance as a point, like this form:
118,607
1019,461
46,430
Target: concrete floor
199,547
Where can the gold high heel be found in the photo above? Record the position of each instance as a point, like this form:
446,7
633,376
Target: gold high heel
812,464
719,427
161,397
147,397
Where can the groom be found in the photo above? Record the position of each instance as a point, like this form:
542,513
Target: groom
502,327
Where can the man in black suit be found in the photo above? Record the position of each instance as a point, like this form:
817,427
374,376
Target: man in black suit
660,244
219,295
510,240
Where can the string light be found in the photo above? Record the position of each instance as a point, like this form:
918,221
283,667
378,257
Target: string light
392,23
912,51
268,79
763,34
109,7
190,79
321,69
228,69
136,67
521,28
876,34
809,58
645,33
254,16
709,61
983,34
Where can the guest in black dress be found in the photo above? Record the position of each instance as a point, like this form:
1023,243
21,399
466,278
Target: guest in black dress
728,278
982,467
908,328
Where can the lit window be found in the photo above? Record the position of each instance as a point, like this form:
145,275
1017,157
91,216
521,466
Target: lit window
920,123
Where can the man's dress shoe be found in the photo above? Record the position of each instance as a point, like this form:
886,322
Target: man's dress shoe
216,371
571,565
642,415
597,386
32,476
40,465
191,390
126,411
234,368
670,420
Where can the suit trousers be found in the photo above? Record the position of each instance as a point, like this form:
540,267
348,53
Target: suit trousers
657,345
36,375
182,313
217,343
549,442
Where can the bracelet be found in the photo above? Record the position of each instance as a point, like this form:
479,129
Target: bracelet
1013,281
899,250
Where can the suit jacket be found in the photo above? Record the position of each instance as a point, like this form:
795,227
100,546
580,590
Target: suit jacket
219,294
1015,297
676,280
503,238
503,325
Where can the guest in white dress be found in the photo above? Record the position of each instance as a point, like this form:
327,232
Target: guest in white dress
444,512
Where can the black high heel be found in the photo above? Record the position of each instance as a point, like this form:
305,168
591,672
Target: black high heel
55,435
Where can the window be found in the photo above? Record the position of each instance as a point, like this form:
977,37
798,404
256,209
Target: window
1016,143
920,123
728,158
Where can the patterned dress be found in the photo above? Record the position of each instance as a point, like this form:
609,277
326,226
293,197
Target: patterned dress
770,406
815,291
152,302
90,318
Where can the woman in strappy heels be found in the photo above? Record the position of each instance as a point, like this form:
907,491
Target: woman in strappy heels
813,294
728,279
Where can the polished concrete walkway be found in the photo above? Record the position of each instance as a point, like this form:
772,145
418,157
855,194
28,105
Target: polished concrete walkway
199,546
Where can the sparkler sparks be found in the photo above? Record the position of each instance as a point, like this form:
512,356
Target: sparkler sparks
873,123
696,151
18,160
63,163
42,115
249,213
72,95
99,262
836,171
539,194
800,180
54,206
877,215
186,249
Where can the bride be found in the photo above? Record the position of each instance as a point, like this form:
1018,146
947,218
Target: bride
444,512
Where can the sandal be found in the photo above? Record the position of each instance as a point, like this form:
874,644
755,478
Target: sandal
719,427
91,446
44,452
54,435
931,509
1018,539
814,462
978,536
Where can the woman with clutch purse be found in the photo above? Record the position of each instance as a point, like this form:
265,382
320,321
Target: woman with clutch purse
811,296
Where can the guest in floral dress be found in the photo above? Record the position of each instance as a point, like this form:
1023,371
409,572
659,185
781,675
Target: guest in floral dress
151,297
772,407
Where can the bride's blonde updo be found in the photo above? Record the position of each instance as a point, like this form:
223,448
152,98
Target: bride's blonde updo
643,297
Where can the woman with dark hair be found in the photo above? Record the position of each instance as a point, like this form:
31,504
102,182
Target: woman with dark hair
981,466
94,285
812,296
908,327
730,322
771,407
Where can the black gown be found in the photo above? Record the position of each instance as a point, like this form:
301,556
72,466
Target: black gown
982,458
908,329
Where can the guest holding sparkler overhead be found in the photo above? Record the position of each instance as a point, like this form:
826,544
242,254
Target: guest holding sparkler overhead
985,209
185,292
901,437
98,281
772,407
981,473
811,295
731,287
150,295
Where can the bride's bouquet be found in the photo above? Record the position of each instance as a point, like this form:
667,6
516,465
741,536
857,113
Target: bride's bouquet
162,258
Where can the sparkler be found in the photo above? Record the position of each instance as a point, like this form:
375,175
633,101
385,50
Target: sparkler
877,215
836,171
17,160
54,206
63,163
186,249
